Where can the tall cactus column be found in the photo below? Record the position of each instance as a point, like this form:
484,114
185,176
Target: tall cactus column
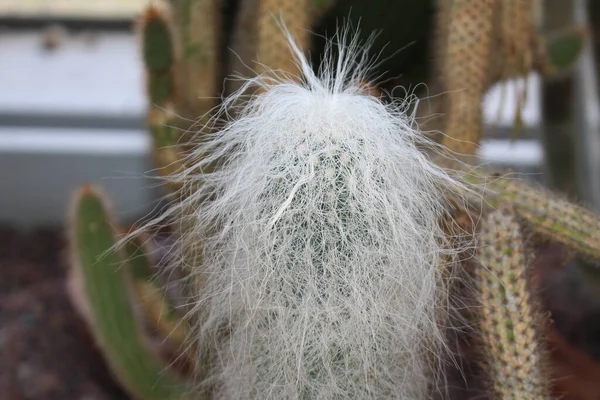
180,47
102,275
466,68
259,36
197,27
273,47
510,322
162,86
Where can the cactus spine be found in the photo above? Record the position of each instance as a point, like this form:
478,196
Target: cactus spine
466,70
510,323
551,216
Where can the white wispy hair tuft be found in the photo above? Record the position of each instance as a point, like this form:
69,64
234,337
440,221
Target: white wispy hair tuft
318,215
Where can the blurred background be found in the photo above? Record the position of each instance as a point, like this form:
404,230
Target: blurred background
73,110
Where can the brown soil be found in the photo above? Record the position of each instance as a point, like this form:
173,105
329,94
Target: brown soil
45,350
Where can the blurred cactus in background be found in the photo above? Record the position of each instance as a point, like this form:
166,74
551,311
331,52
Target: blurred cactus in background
488,42
476,43
105,280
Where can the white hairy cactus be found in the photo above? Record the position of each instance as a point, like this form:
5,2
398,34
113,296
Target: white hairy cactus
318,215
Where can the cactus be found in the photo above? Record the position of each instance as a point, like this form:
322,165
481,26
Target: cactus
273,50
486,42
547,214
162,87
510,321
197,32
550,215
158,309
180,53
182,43
106,295
243,44
466,68
258,35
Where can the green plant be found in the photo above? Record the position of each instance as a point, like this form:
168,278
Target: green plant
510,318
181,47
104,278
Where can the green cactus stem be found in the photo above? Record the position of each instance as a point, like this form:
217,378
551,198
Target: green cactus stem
510,320
158,55
112,319
158,52
157,308
197,32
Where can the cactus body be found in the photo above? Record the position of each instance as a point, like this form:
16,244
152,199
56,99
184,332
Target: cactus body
320,275
197,27
547,214
112,319
510,325
466,71
552,216
272,46
259,35
483,42
158,52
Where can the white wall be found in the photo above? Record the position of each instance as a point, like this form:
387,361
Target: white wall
100,78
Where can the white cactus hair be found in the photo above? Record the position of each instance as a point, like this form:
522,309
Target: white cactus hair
318,217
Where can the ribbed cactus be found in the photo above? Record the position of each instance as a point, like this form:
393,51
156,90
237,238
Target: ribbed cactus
104,281
466,65
273,49
510,323
180,46
258,35
548,214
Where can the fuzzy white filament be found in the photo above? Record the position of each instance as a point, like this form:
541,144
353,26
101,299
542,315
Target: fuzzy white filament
319,223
